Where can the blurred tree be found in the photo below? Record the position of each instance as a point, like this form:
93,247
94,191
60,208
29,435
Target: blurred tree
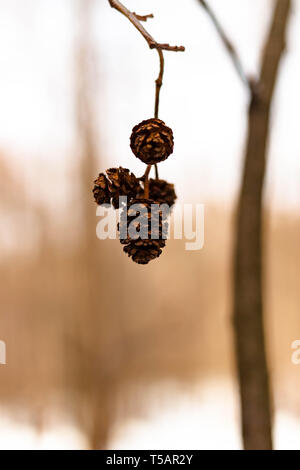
89,366
248,254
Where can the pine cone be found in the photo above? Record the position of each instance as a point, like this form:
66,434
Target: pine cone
119,182
143,250
152,141
160,191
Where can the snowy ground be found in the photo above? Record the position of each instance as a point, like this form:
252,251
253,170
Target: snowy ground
206,418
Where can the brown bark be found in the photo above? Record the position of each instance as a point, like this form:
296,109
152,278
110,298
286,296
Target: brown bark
256,407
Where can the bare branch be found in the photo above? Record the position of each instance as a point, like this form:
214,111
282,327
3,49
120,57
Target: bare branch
228,45
135,20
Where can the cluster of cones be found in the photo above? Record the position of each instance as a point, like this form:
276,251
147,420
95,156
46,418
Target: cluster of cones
143,224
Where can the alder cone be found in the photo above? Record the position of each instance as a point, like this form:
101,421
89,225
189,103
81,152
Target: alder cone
143,250
161,191
101,190
118,182
152,141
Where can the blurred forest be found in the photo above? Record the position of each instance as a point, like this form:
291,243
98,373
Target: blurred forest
83,330
87,330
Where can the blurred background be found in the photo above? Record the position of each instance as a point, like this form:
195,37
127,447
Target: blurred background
103,353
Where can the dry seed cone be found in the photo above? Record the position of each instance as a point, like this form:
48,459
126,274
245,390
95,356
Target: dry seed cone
101,191
149,228
161,191
152,141
118,182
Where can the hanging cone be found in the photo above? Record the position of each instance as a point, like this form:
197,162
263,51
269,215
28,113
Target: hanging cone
152,141
145,232
161,191
118,182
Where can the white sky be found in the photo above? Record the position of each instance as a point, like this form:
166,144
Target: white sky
202,99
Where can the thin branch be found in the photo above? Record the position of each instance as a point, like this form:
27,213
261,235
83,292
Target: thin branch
160,47
135,20
159,81
228,46
146,181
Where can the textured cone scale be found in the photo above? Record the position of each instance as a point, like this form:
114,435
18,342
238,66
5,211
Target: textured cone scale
118,182
161,191
152,141
144,250
101,191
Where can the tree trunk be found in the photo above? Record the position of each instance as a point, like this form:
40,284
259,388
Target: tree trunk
252,367
89,377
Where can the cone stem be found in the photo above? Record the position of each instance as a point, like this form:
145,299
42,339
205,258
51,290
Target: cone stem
146,182
159,81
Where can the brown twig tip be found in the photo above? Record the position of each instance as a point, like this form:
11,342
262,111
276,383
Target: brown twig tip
166,47
143,17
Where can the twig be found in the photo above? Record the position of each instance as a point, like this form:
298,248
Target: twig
135,20
143,17
159,81
228,46
146,182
